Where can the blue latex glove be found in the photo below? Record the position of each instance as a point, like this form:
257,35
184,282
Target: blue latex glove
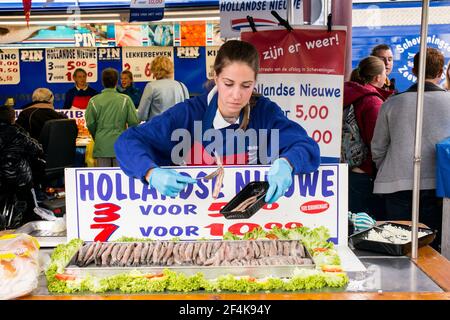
361,221
279,178
169,182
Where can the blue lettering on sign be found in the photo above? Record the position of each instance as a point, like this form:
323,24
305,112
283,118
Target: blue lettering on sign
104,180
160,231
307,185
120,195
242,181
147,190
86,186
203,192
173,209
326,183
133,195
290,191
106,186
174,231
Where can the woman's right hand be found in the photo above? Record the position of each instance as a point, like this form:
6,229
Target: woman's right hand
167,181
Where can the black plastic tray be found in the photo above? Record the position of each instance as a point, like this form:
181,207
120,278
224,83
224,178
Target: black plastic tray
359,242
248,191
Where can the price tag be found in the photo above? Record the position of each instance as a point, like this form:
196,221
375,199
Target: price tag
62,62
9,66
139,60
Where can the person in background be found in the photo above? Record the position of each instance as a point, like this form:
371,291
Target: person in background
384,52
109,114
127,87
78,97
231,105
41,110
163,93
18,155
365,91
393,146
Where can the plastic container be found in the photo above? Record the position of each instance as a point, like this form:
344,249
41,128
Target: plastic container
359,241
258,188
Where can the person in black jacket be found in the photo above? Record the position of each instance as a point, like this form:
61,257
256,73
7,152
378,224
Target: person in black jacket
18,154
41,110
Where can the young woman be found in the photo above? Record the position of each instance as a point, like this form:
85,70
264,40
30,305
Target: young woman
230,105
365,91
163,93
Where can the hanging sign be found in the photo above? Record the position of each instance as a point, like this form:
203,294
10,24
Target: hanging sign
233,14
104,204
146,10
139,60
62,62
303,72
9,66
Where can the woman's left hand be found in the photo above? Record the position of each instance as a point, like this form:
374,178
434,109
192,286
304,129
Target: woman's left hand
279,178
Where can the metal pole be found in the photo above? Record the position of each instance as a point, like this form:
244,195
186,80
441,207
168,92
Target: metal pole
290,11
418,138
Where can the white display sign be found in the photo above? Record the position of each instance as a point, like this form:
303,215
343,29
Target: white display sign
62,62
233,14
139,60
104,204
303,72
211,53
9,66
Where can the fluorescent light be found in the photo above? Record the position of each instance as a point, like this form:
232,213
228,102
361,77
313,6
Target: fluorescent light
33,17
58,22
187,19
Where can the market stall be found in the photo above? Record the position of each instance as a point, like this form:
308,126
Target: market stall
123,237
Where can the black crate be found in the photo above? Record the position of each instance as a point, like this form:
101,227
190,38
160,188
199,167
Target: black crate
250,190
359,242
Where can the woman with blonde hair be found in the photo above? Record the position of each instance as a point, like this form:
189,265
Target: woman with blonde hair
365,92
163,93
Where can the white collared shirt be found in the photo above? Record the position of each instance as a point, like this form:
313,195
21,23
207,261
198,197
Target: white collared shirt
220,123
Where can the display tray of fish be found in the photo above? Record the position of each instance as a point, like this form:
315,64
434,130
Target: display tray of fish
256,258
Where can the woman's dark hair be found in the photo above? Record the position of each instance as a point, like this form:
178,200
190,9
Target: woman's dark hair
79,70
367,69
7,114
379,47
243,52
236,51
110,76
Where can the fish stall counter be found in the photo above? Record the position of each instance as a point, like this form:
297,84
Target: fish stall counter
385,278
104,207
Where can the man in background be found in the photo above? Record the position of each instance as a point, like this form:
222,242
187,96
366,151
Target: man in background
107,116
393,146
384,52
78,97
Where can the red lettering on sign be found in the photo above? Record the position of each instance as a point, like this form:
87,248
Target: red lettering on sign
108,230
237,228
216,206
315,206
109,212
216,229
